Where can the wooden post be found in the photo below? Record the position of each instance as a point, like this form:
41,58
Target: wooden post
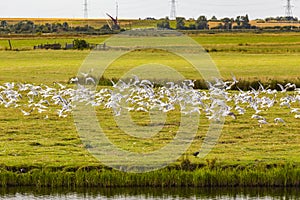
10,47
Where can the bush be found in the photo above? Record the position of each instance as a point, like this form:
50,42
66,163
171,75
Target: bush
80,44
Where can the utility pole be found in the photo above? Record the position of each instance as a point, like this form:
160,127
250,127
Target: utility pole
117,9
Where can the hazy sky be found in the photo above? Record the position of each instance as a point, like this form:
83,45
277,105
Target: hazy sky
142,8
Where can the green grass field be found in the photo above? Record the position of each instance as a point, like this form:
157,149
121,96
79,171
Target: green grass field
248,56
37,142
33,142
49,66
21,43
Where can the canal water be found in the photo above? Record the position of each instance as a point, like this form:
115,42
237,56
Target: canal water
151,193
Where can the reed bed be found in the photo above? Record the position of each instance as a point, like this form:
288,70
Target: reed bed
259,176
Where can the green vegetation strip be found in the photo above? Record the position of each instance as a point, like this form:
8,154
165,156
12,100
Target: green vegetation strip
283,176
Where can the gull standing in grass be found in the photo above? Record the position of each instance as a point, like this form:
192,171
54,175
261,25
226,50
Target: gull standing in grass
279,120
262,121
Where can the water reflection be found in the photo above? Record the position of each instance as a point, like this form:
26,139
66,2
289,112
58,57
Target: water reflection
151,193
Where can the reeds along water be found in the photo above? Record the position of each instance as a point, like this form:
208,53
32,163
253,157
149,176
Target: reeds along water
276,176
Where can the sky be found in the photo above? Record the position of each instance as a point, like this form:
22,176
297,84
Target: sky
134,9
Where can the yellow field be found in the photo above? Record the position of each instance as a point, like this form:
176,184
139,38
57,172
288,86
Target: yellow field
97,23
273,24
259,24
129,23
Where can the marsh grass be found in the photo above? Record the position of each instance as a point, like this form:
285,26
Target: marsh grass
261,176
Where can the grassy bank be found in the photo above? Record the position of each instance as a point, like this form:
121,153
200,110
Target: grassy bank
259,176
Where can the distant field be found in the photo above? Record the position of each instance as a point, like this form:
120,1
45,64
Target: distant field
28,43
242,42
96,23
273,24
132,23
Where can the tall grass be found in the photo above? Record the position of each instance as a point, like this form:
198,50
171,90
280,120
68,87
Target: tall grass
259,176
243,84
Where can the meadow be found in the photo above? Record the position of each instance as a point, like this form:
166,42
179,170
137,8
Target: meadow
249,56
52,154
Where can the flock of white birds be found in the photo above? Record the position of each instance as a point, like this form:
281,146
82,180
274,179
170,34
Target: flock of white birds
142,96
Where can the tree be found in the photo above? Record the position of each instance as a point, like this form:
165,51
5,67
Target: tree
214,19
164,23
65,26
57,27
49,27
192,26
24,26
3,24
105,27
202,23
80,44
227,23
238,20
180,23
245,22
44,29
